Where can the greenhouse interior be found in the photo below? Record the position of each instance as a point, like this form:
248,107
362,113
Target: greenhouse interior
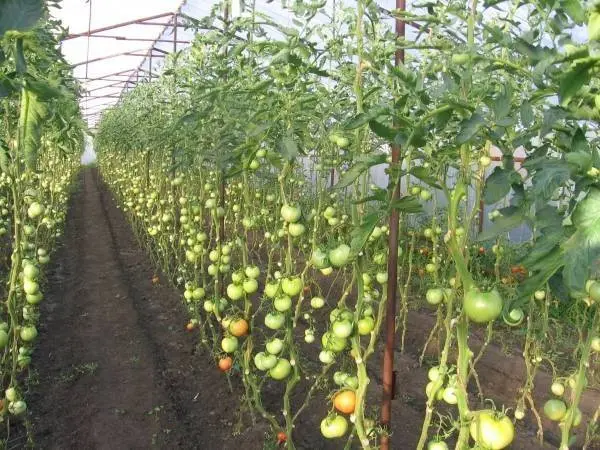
300,224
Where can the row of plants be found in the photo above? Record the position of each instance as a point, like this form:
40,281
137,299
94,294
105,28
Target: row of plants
248,169
41,134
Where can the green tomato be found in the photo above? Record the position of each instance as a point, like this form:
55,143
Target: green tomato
319,259
482,307
290,213
296,229
340,255
282,303
274,346
252,272
434,296
437,445
317,302
250,286
596,343
281,370
271,289
326,356
30,287
334,426
198,293
291,286
35,210
557,388
342,328
434,373
274,320
381,277
366,325
555,409
594,291
235,292
492,430
351,381
28,333
339,377
229,344
3,339
31,272
333,343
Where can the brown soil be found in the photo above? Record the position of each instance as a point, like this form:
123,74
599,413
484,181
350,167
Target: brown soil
115,369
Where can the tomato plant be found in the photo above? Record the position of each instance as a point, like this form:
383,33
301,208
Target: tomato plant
258,172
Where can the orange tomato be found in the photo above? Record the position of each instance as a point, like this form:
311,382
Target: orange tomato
238,327
225,363
345,401
281,437
190,326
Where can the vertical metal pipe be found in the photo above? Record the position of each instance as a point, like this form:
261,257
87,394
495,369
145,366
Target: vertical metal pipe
175,33
392,269
222,178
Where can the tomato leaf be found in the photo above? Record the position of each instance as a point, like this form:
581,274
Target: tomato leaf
360,234
362,163
424,175
575,77
382,130
497,185
511,219
548,176
363,118
408,205
582,250
574,9
469,128
527,116
288,148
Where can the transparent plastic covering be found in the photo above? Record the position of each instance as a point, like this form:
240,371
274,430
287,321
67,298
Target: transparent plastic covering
130,39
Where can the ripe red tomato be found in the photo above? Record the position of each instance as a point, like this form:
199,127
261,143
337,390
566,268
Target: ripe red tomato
225,364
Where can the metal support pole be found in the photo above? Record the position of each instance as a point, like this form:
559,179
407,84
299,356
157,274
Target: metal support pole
222,178
175,33
392,270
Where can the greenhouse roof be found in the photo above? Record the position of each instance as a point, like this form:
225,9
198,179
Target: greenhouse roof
113,44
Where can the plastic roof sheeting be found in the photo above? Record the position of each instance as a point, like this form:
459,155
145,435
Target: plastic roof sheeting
119,57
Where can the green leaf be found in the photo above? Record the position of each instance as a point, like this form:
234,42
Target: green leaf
574,78
424,175
288,148
31,119
19,15
583,161
549,176
587,213
408,205
574,10
382,130
502,102
469,128
549,265
502,224
4,156
361,164
360,234
363,118
527,116
497,185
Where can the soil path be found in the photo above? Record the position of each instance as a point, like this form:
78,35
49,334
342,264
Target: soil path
114,365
